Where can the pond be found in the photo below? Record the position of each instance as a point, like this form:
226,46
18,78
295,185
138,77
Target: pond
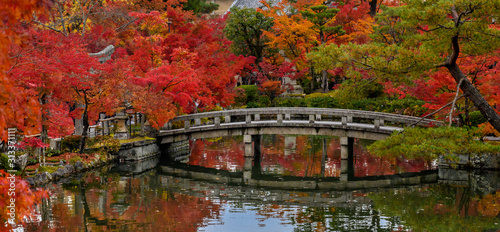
204,192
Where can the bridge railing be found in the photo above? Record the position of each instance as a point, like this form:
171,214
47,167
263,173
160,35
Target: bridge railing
310,115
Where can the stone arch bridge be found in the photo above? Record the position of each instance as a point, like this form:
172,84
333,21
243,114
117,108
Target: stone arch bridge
292,121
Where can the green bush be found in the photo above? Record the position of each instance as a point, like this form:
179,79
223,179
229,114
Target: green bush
291,102
407,106
253,105
70,143
264,101
323,102
476,118
352,90
251,93
4,162
52,152
316,95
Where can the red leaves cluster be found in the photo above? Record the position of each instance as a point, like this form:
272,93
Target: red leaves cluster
32,142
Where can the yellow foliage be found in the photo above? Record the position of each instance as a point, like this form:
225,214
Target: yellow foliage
362,28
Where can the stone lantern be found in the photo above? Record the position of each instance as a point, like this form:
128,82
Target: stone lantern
121,129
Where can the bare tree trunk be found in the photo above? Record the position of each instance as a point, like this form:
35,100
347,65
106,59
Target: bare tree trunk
85,121
473,94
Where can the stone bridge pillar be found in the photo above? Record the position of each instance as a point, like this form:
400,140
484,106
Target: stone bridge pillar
252,156
347,158
247,168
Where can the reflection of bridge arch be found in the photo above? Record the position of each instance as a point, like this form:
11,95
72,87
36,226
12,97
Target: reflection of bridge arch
307,121
297,183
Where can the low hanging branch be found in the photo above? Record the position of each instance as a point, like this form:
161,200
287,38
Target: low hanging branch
454,101
435,112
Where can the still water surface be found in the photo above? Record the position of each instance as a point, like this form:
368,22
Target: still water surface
145,197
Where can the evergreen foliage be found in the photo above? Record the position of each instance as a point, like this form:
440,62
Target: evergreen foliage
430,143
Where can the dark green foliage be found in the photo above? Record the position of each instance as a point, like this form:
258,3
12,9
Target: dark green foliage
200,6
265,101
248,95
320,17
70,143
52,152
476,118
407,106
4,162
323,102
253,105
245,28
430,143
291,102
251,92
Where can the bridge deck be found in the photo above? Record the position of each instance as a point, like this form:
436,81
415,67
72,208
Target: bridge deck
336,122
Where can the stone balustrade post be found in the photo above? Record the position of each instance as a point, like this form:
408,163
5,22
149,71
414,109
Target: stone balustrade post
248,119
187,124
318,117
257,117
197,121
288,117
378,123
279,118
311,118
227,119
217,121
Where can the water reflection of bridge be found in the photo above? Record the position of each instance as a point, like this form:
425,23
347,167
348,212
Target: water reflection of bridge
297,183
196,182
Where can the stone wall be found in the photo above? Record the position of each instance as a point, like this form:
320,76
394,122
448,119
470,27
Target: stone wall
177,151
138,150
483,161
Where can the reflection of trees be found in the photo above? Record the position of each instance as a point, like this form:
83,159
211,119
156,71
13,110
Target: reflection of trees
441,208
357,218
225,154
130,204
306,160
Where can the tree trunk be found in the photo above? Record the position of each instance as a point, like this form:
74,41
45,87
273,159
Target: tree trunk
473,94
373,7
325,81
85,121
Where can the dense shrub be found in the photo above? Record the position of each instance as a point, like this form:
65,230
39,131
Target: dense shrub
70,143
264,101
407,106
316,95
291,102
476,118
352,90
322,102
4,162
251,92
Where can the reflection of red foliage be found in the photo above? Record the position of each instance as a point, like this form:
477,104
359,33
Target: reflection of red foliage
130,205
227,154
303,161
